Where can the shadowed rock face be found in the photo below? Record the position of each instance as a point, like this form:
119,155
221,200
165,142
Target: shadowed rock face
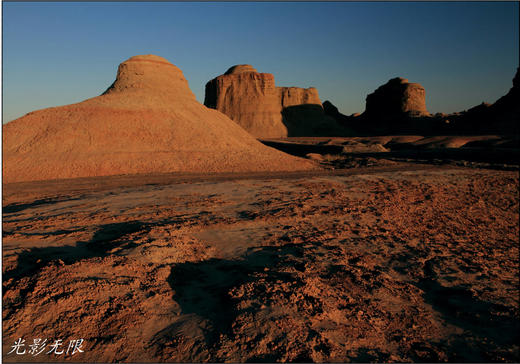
147,121
508,107
398,107
303,114
330,108
253,101
502,117
396,98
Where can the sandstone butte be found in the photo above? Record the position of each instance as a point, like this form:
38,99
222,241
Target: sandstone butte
147,121
253,101
397,98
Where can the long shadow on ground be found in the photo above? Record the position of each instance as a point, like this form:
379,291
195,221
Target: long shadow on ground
31,261
106,238
491,330
203,288
44,201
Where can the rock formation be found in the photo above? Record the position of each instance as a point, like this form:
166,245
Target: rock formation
330,109
506,110
348,121
510,100
147,121
293,96
249,98
397,107
253,101
502,117
397,98
303,114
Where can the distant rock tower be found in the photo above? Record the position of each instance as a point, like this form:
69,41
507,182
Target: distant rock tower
252,100
397,98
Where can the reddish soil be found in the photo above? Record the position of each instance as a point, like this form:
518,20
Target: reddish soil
399,264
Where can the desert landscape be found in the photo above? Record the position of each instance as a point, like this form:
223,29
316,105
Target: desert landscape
260,222
396,262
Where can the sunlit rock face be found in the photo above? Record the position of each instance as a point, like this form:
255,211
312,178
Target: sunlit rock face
147,121
249,98
253,101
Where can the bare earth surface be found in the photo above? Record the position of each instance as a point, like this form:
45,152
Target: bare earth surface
401,263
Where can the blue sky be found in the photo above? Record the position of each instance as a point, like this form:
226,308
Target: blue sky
462,53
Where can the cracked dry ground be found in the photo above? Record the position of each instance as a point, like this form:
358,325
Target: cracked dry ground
398,266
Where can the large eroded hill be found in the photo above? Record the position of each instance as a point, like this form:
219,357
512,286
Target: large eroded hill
147,121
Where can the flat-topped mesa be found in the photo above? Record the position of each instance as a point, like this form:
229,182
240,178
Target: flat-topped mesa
148,121
252,100
397,98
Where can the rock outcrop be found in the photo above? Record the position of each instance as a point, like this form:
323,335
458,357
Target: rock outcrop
253,101
147,121
397,107
249,98
397,98
350,122
293,96
506,109
303,114
501,117
330,109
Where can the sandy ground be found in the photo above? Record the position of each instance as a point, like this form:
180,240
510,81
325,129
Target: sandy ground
479,151
398,264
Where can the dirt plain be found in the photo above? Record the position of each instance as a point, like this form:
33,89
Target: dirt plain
384,261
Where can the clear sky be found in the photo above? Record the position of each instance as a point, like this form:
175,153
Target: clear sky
462,53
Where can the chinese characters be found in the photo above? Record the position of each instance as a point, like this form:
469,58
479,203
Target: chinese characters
40,346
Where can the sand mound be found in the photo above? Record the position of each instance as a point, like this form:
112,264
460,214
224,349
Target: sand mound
452,141
147,121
